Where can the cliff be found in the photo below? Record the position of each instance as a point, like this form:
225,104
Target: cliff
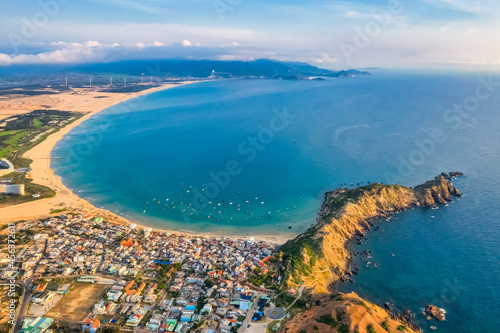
345,313
320,256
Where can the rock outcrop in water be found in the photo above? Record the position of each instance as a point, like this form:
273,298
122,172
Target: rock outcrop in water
320,256
436,312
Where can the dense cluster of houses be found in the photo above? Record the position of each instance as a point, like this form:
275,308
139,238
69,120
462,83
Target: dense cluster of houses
159,281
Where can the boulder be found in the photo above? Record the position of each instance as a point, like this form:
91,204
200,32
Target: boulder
436,312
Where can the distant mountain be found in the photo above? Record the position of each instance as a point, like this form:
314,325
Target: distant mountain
181,69
348,73
305,68
263,68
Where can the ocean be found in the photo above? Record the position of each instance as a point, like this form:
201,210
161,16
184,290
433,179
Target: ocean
254,157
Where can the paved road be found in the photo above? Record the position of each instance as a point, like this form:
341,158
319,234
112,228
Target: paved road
257,328
24,304
26,285
250,312
301,289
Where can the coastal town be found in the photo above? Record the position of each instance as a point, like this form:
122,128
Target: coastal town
84,274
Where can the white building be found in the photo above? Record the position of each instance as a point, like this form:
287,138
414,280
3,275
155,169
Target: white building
11,189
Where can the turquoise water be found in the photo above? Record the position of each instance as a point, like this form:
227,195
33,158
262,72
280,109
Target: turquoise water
271,172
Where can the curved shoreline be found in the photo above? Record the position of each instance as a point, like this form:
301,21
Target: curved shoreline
42,173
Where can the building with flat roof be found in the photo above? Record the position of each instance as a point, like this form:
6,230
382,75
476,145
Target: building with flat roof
87,279
36,325
12,188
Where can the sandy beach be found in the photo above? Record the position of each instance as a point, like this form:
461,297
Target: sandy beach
79,100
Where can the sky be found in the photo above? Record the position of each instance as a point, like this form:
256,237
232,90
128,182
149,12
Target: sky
328,34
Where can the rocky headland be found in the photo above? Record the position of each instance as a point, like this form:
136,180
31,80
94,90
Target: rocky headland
320,257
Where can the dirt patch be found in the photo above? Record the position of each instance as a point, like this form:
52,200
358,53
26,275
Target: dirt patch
77,303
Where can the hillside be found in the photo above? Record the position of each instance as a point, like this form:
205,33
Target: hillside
345,313
320,256
175,69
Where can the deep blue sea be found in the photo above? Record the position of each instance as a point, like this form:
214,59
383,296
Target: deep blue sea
256,156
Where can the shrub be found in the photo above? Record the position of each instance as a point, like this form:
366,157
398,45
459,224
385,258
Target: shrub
343,328
327,319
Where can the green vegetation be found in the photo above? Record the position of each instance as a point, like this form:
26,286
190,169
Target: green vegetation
370,329
37,123
340,315
327,319
284,300
30,188
21,133
258,279
292,254
272,324
401,327
343,328
385,326
309,242
335,204
55,211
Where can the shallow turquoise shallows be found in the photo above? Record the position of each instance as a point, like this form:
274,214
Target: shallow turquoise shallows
255,157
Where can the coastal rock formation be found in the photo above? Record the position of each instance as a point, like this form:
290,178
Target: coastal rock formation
436,312
319,256
344,313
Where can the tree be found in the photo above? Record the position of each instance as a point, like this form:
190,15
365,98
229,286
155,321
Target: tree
209,283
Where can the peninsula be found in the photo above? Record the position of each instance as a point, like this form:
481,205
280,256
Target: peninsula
320,257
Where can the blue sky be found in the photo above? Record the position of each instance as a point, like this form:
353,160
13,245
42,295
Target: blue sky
330,34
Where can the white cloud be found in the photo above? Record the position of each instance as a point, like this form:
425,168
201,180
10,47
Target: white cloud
158,44
140,44
68,52
325,58
92,43
185,42
60,43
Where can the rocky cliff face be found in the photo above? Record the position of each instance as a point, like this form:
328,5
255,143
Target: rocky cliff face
345,313
320,256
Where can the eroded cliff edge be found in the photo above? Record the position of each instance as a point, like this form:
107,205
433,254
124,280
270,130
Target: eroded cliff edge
319,257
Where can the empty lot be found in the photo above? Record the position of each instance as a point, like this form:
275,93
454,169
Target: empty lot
78,302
